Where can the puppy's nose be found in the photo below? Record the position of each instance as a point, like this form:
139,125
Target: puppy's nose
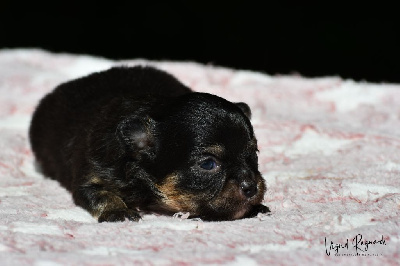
249,189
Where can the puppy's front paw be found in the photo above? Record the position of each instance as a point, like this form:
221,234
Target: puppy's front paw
119,216
258,209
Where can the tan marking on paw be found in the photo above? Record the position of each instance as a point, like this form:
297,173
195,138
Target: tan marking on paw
109,202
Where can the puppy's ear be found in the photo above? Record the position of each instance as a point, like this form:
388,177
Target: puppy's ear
245,109
136,133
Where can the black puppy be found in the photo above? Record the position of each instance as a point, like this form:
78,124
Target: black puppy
135,138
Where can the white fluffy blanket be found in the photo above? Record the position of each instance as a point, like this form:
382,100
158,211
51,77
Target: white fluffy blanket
329,151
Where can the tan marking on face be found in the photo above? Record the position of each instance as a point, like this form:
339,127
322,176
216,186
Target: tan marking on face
216,150
235,202
176,200
240,213
95,180
229,200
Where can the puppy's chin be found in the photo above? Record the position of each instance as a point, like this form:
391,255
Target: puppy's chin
240,213
223,212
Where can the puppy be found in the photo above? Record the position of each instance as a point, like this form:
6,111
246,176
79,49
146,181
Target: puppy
133,139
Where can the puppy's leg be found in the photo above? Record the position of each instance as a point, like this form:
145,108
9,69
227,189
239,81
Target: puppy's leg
103,204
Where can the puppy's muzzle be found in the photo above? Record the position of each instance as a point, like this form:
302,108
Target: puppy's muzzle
247,183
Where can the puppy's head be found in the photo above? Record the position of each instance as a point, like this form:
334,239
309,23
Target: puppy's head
202,152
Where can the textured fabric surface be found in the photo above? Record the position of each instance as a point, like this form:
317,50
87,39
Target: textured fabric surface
329,151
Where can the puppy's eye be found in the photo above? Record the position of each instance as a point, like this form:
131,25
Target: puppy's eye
209,164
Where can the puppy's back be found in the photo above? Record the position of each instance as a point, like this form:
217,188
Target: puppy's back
64,115
120,81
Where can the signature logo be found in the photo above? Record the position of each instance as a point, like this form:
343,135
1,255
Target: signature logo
357,244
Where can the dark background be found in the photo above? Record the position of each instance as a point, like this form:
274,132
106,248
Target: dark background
360,42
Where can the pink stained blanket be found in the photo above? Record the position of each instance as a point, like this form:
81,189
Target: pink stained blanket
329,152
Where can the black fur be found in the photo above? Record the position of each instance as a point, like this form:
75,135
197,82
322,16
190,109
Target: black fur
135,138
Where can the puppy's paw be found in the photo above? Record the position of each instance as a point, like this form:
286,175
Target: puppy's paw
258,209
119,216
